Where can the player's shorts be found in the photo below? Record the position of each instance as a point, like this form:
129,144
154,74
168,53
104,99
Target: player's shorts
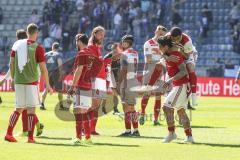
128,97
99,88
83,99
192,58
178,97
55,83
27,96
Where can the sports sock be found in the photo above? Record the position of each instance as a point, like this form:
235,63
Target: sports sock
12,122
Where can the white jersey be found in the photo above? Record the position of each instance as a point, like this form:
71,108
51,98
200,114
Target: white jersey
129,59
150,48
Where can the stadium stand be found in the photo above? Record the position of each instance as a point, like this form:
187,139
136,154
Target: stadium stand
218,44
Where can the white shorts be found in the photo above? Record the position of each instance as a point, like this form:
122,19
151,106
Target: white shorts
83,99
192,58
27,96
178,97
99,88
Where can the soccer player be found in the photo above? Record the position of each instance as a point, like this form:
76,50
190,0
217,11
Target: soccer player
178,96
128,79
155,71
113,73
190,55
21,34
82,86
27,57
99,83
54,67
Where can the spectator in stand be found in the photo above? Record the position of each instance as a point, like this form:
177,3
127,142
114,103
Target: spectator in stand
236,38
1,15
145,24
204,25
64,16
55,32
176,17
80,5
137,27
66,38
234,14
45,29
118,24
84,25
206,11
47,43
46,12
34,17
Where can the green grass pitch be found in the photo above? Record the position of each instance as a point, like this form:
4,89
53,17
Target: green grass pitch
216,130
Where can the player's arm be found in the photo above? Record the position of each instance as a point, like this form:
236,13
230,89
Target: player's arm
12,67
77,74
147,53
123,69
182,72
44,73
60,67
42,65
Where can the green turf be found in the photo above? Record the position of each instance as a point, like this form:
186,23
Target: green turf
215,129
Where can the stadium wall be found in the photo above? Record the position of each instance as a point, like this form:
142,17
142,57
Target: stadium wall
206,86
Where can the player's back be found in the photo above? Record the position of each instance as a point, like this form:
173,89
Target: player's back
52,60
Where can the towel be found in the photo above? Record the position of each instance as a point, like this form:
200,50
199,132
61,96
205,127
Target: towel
20,47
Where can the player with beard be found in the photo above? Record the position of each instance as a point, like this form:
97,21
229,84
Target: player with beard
127,80
177,98
99,83
86,66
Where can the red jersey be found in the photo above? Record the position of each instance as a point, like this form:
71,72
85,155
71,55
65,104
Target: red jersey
172,69
96,50
91,65
39,56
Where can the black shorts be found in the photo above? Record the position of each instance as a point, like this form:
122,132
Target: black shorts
55,83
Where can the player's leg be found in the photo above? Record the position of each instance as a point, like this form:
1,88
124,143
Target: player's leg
32,101
24,123
20,96
169,115
193,81
134,119
183,117
94,115
170,102
127,120
115,104
157,108
12,123
44,96
81,107
144,103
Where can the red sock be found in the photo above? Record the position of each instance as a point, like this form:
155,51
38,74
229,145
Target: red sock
144,104
78,118
31,125
188,132
86,125
157,108
24,121
155,76
128,120
134,118
36,119
12,122
171,129
93,119
193,81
